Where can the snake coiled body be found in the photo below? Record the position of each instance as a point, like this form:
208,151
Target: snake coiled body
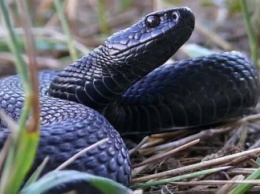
123,83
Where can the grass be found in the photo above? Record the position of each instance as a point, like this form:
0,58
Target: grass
65,26
18,154
250,31
24,138
19,151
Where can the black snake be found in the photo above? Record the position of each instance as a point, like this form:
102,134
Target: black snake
125,81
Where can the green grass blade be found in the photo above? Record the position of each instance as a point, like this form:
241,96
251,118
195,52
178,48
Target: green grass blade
251,35
102,19
55,178
179,178
22,151
65,26
37,173
13,45
21,163
242,188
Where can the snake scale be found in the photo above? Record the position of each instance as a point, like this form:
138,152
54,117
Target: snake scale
125,81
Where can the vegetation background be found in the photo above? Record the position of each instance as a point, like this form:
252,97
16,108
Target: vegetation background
51,34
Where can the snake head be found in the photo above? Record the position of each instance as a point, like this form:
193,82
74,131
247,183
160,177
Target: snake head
151,41
101,77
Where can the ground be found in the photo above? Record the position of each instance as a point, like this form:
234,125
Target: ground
218,28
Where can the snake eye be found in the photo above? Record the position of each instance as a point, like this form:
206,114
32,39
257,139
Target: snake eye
152,21
175,16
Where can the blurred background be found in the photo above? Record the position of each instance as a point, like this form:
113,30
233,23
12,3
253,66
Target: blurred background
219,27
65,30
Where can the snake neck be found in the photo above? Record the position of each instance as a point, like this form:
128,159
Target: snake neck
95,80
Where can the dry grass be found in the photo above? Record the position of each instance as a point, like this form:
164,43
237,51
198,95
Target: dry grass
219,147
235,145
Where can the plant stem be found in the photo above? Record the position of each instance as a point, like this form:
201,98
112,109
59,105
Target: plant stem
24,145
65,26
250,32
